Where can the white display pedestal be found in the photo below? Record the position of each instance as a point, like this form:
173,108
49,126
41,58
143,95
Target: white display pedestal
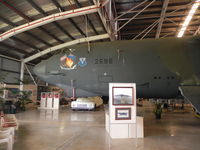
43,100
56,101
121,119
49,100
124,130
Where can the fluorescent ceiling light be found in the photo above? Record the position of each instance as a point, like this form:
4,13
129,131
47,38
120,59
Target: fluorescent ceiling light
188,18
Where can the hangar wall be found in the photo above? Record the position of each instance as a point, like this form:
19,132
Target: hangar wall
10,69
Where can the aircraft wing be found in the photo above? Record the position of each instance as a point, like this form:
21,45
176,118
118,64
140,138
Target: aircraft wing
192,94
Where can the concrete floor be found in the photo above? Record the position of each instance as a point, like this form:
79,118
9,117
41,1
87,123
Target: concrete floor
68,130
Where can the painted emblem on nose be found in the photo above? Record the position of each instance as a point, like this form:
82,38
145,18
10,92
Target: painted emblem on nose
68,62
82,62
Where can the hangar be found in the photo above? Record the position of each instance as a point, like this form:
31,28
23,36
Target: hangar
60,55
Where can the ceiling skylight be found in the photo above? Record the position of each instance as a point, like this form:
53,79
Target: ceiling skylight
188,18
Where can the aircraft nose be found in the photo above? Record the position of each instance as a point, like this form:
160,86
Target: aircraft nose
40,69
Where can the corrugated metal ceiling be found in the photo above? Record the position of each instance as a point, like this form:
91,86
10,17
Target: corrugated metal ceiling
17,12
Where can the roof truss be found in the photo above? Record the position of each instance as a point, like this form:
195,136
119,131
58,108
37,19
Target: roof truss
162,17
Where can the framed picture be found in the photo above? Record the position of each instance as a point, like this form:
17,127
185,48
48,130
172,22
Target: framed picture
122,113
122,95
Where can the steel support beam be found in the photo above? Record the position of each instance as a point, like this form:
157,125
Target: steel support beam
14,9
14,48
104,20
4,91
148,31
24,43
156,17
15,59
152,25
131,9
57,47
40,10
197,31
9,55
36,49
113,21
11,58
37,38
27,33
168,34
49,19
135,15
4,20
21,86
55,2
117,17
180,7
162,17
51,35
28,19
30,74
97,15
89,21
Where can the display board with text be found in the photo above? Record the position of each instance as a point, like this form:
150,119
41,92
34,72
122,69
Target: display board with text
121,119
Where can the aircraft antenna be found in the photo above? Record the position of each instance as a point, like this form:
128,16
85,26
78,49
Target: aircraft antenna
86,30
71,50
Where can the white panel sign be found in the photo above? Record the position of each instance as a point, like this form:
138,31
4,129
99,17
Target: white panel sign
49,100
121,121
43,100
122,102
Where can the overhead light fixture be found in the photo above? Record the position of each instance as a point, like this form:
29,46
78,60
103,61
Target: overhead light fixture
188,18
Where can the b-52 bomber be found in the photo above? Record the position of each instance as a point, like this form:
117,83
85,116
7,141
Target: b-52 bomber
161,68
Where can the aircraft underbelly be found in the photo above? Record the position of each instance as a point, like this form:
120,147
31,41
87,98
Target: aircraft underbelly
191,93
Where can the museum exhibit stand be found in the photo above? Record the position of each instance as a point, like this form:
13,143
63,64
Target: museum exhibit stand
121,119
49,100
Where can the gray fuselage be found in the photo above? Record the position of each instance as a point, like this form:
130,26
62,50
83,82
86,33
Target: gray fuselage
157,67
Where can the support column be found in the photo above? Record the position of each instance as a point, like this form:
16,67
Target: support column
30,74
4,91
162,17
110,9
21,87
